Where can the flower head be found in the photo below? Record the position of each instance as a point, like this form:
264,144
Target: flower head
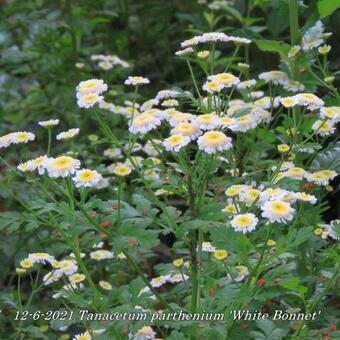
136,80
244,223
86,178
214,141
67,134
278,211
176,142
91,86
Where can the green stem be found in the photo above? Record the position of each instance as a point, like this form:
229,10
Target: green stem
294,31
49,130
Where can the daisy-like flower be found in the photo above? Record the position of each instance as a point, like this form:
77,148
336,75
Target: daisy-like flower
51,277
105,65
176,278
91,86
302,196
62,166
293,85
122,170
23,167
213,86
321,177
242,273
289,101
249,196
105,285
179,118
22,137
276,77
40,258
149,104
170,103
67,134
186,129
244,223
83,336
67,267
214,141
310,100
144,123
208,121
145,333
234,190
323,127
230,208
136,80
158,281
37,164
332,113
185,52
256,94
89,100
101,254
6,140
76,278
246,84
207,247
112,153
176,142
314,37
278,211
227,79
49,123
244,123
26,263
293,52
295,173
226,121
86,178
220,254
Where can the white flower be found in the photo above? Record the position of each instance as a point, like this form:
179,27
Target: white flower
61,166
227,79
244,223
213,86
89,100
22,137
294,51
293,85
170,103
175,278
323,127
242,273
67,267
37,163
164,94
101,254
149,104
332,113
256,94
112,153
314,37
136,80
310,100
214,141
186,51
40,257
207,247
278,211
144,123
105,285
321,177
179,118
276,77
246,84
48,123
302,196
289,101
51,277
86,178
158,281
176,142
83,336
67,134
186,129
244,123
145,333
91,86
207,121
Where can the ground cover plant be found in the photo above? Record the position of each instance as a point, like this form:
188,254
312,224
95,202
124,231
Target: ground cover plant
169,170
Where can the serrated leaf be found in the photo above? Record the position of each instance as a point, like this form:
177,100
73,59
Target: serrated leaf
274,46
329,159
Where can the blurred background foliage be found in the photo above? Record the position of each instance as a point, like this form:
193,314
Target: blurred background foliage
42,40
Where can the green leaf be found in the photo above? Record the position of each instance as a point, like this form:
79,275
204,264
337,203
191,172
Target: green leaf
329,159
327,7
274,46
268,330
292,283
